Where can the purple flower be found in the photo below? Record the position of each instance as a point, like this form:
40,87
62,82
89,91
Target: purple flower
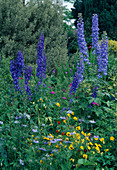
34,130
18,117
35,141
14,74
81,120
28,74
96,136
20,63
95,89
21,162
64,98
53,71
42,149
63,118
81,39
16,122
92,121
41,59
67,142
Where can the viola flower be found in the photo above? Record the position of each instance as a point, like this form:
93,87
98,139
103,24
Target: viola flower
78,128
85,156
112,138
71,147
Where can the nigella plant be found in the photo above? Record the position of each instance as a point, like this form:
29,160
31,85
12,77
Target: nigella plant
41,59
81,39
103,60
20,63
27,78
14,73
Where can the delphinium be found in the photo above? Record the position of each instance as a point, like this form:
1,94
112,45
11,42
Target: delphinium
78,76
95,37
14,73
27,78
103,60
41,59
20,63
81,39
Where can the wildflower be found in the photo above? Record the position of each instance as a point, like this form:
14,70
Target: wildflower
95,103
16,122
75,118
49,143
89,147
92,121
81,147
35,141
85,156
112,138
42,149
34,130
72,113
64,121
101,153
68,115
57,131
81,120
78,128
68,134
49,87
59,122
71,147
58,104
41,59
63,90
63,118
83,133
64,98
95,89
20,63
53,71
52,92
21,162
14,74
63,133
102,139
41,161
81,39
89,47
72,159
106,150
51,154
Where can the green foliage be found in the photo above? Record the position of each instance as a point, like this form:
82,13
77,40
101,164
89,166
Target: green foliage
107,16
21,25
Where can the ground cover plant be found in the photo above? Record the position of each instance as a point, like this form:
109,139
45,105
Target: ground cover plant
62,121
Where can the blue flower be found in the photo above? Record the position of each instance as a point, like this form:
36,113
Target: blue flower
14,74
81,39
20,63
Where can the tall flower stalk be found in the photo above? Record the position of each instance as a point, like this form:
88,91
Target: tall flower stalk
20,63
41,59
14,74
81,39
103,60
78,76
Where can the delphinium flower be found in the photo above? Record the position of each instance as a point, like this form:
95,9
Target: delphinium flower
95,37
78,77
20,63
27,78
14,74
95,89
81,39
103,61
41,59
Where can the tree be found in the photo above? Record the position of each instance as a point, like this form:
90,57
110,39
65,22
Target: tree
21,26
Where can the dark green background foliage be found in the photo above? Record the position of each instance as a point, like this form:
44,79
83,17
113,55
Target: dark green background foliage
107,16
21,25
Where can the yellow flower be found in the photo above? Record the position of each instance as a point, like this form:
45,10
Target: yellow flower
30,144
45,107
40,98
72,160
67,139
49,143
51,154
101,153
58,104
41,161
83,133
112,138
71,147
85,156
96,138
81,147
72,113
106,150
39,109
102,168
57,146
88,134
75,118
82,140
65,146
68,115
64,121
91,143
89,147
27,138
78,128
33,102
87,138
68,134
32,136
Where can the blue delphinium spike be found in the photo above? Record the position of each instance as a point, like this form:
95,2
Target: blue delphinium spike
20,63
